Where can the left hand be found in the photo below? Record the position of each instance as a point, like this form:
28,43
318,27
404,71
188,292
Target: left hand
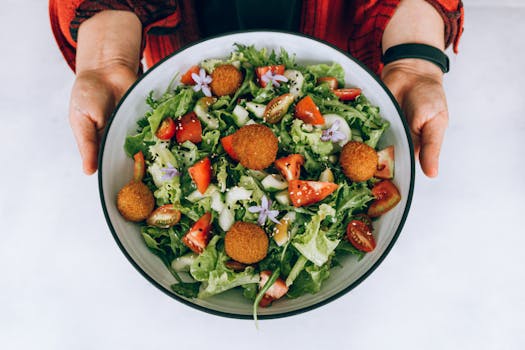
417,85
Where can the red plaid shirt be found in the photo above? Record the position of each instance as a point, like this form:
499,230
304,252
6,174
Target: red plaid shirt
355,26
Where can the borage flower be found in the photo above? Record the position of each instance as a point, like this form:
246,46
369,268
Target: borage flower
333,134
265,212
201,82
169,172
273,78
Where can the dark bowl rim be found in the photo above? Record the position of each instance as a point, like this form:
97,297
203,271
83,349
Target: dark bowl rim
283,314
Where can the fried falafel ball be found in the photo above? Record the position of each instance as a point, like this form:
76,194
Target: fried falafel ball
226,79
256,146
358,160
246,243
135,202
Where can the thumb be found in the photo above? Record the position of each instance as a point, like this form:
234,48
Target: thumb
91,103
432,135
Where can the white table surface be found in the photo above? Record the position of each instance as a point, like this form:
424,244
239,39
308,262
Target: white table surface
454,280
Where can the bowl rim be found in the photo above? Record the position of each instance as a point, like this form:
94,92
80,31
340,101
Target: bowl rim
282,314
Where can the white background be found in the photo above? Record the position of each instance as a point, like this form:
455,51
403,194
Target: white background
454,280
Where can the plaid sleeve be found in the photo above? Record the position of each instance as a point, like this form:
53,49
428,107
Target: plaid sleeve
372,16
148,12
453,15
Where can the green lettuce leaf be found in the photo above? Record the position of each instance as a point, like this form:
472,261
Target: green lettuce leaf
138,142
309,280
301,134
223,279
313,243
206,261
351,198
209,268
188,290
210,141
175,106
324,70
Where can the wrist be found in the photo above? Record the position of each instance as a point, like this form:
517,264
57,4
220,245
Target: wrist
109,39
415,66
415,21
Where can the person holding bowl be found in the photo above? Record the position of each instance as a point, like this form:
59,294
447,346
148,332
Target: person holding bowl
402,41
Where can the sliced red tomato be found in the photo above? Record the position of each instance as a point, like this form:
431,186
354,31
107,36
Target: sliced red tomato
166,129
386,197
198,236
303,193
164,217
275,69
277,290
331,81
308,111
385,163
290,166
188,128
187,79
227,144
139,166
360,235
366,219
200,173
347,94
277,108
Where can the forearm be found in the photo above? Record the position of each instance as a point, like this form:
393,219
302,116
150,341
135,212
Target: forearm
415,21
109,39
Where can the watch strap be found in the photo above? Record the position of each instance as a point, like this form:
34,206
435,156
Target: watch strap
421,51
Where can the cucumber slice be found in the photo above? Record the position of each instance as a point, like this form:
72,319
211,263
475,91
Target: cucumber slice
257,174
236,194
226,219
201,109
330,119
217,202
240,115
183,263
296,81
196,196
256,108
283,197
274,183
326,176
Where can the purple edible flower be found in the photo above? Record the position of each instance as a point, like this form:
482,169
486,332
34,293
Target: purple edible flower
273,78
201,82
333,134
264,211
169,172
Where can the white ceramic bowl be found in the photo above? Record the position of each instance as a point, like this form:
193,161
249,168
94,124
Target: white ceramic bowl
116,169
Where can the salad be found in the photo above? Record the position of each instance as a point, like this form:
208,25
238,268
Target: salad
258,173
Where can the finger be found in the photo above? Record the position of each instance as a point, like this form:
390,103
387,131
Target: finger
432,135
89,108
86,135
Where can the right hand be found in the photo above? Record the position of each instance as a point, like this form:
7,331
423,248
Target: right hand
107,62
93,98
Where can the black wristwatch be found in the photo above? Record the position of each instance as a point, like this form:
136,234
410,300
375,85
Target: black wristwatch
422,51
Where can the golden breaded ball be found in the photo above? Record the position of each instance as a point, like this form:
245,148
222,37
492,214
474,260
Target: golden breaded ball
256,146
135,201
246,243
358,160
226,79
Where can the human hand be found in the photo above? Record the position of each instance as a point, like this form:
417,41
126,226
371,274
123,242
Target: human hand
94,96
417,85
107,62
